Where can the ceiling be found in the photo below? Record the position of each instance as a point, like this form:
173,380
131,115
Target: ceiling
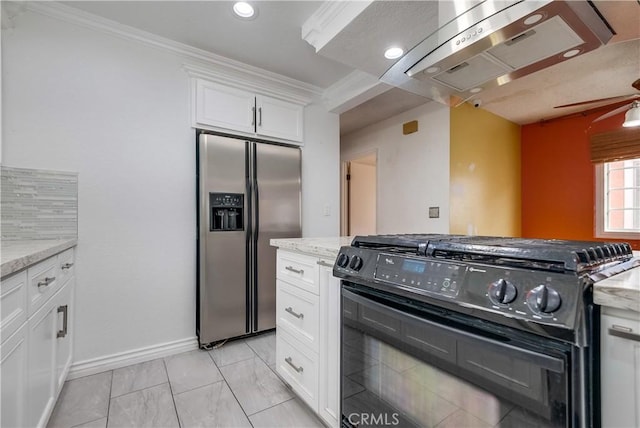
273,42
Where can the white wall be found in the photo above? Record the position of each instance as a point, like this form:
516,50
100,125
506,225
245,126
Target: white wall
117,112
413,170
320,173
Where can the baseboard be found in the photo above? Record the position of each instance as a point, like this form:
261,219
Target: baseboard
123,359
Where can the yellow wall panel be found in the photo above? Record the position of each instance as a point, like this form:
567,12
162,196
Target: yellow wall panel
485,192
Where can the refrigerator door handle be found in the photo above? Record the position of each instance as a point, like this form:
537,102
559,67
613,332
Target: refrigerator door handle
257,211
249,235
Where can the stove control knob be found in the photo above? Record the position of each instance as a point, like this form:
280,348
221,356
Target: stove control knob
356,263
502,292
544,299
343,260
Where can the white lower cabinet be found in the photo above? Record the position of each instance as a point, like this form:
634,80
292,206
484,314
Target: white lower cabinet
620,368
298,366
36,358
308,331
13,366
41,364
64,339
329,393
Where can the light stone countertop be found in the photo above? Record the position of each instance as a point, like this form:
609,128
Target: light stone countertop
17,255
619,291
321,247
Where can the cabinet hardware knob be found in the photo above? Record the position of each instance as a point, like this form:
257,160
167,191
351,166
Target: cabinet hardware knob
290,310
289,361
46,281
65,314
624,332
291,269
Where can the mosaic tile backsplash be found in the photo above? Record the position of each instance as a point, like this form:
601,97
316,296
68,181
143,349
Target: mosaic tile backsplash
36,204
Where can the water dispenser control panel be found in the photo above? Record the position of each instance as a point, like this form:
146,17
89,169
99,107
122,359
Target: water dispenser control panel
227,212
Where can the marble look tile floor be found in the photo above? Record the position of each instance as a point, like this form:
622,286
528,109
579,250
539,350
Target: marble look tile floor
232,386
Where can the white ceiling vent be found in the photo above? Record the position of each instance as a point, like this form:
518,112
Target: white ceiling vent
542,41
471,73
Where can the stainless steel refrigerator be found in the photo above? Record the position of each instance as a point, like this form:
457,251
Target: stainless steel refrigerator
248,193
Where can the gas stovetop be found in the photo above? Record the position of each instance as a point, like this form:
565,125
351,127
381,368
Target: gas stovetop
533,283
551,254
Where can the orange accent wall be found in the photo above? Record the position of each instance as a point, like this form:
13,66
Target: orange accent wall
558,178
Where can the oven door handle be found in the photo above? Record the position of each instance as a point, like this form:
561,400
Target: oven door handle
543,361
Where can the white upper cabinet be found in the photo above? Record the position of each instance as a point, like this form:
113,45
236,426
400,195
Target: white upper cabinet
280,119
224,107
227,109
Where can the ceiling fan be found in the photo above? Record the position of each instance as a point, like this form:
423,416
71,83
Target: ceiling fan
632,116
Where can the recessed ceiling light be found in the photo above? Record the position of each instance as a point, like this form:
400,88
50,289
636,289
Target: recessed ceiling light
572,52
243,9
432,70
393,53
475,90
533,19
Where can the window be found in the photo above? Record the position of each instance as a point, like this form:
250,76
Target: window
618,199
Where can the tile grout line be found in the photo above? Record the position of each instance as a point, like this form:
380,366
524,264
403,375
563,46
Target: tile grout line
269,367
109,399
173,398
224,379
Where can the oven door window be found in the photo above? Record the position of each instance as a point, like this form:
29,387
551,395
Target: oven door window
404,368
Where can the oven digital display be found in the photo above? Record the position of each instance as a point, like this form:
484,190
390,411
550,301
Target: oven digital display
413,266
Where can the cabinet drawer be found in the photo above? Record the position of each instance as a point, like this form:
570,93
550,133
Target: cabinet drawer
13,304
296,269
298,366
43,283
66,262
298,312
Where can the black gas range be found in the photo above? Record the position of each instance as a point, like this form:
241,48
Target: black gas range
511,318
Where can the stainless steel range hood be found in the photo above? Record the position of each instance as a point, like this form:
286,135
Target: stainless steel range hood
494,42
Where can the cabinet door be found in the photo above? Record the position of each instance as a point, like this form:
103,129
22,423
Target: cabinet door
13,366
224,107
280,119
41,363
64,333
620,371
329,356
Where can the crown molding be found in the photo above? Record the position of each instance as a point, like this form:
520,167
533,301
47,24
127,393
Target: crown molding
198,62
329,20
352,90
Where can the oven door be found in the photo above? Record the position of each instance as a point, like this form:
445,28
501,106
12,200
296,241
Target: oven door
408,364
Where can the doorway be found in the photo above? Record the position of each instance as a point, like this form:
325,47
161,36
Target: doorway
359,195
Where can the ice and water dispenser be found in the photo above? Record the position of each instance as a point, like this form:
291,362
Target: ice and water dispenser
227,211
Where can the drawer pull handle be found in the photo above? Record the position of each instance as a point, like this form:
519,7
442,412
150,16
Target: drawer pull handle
67,266
289,361
290,310
325,264
46,281
624,332
65,314
291,269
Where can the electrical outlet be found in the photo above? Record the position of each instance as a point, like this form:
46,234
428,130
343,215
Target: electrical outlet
434,212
